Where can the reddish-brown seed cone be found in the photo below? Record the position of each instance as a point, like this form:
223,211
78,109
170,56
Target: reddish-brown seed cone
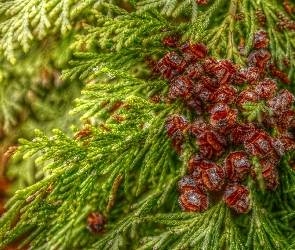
261,17
278,151
174,126
171,41
281,102
193,199
259,144
288,142
269,173
206,173
96,222
267,88
186,181
204,88
242,132
253,75
194,71
224,71
211,143
247,95
240,76
226,94
236,196
222,118
196,160
279,74
272,181
286,120
260,39
170,65
209,64
199,126
193,52
269,120
250,75
259,59
196,104
236,166
202,2
181,86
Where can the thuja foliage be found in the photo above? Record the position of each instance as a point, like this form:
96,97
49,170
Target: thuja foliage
121,162
32,93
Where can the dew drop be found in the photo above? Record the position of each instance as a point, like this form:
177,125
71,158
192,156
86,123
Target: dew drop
95,69
111,76
146,126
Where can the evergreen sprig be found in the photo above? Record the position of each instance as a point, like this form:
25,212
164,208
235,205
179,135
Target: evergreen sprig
108,152
24,21
121,162
254,111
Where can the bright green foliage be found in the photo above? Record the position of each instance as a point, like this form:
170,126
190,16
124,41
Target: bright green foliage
25,20
254,111
32,96
122,162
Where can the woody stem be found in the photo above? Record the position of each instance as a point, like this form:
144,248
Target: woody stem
232,11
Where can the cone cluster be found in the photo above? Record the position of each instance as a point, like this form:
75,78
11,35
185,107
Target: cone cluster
230,147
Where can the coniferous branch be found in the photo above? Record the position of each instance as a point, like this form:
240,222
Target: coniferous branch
281,49
33,85
117,145
172,8
33,96
142,33
156,198
198,231
265,230
129,147
271,226
254,111
27,20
